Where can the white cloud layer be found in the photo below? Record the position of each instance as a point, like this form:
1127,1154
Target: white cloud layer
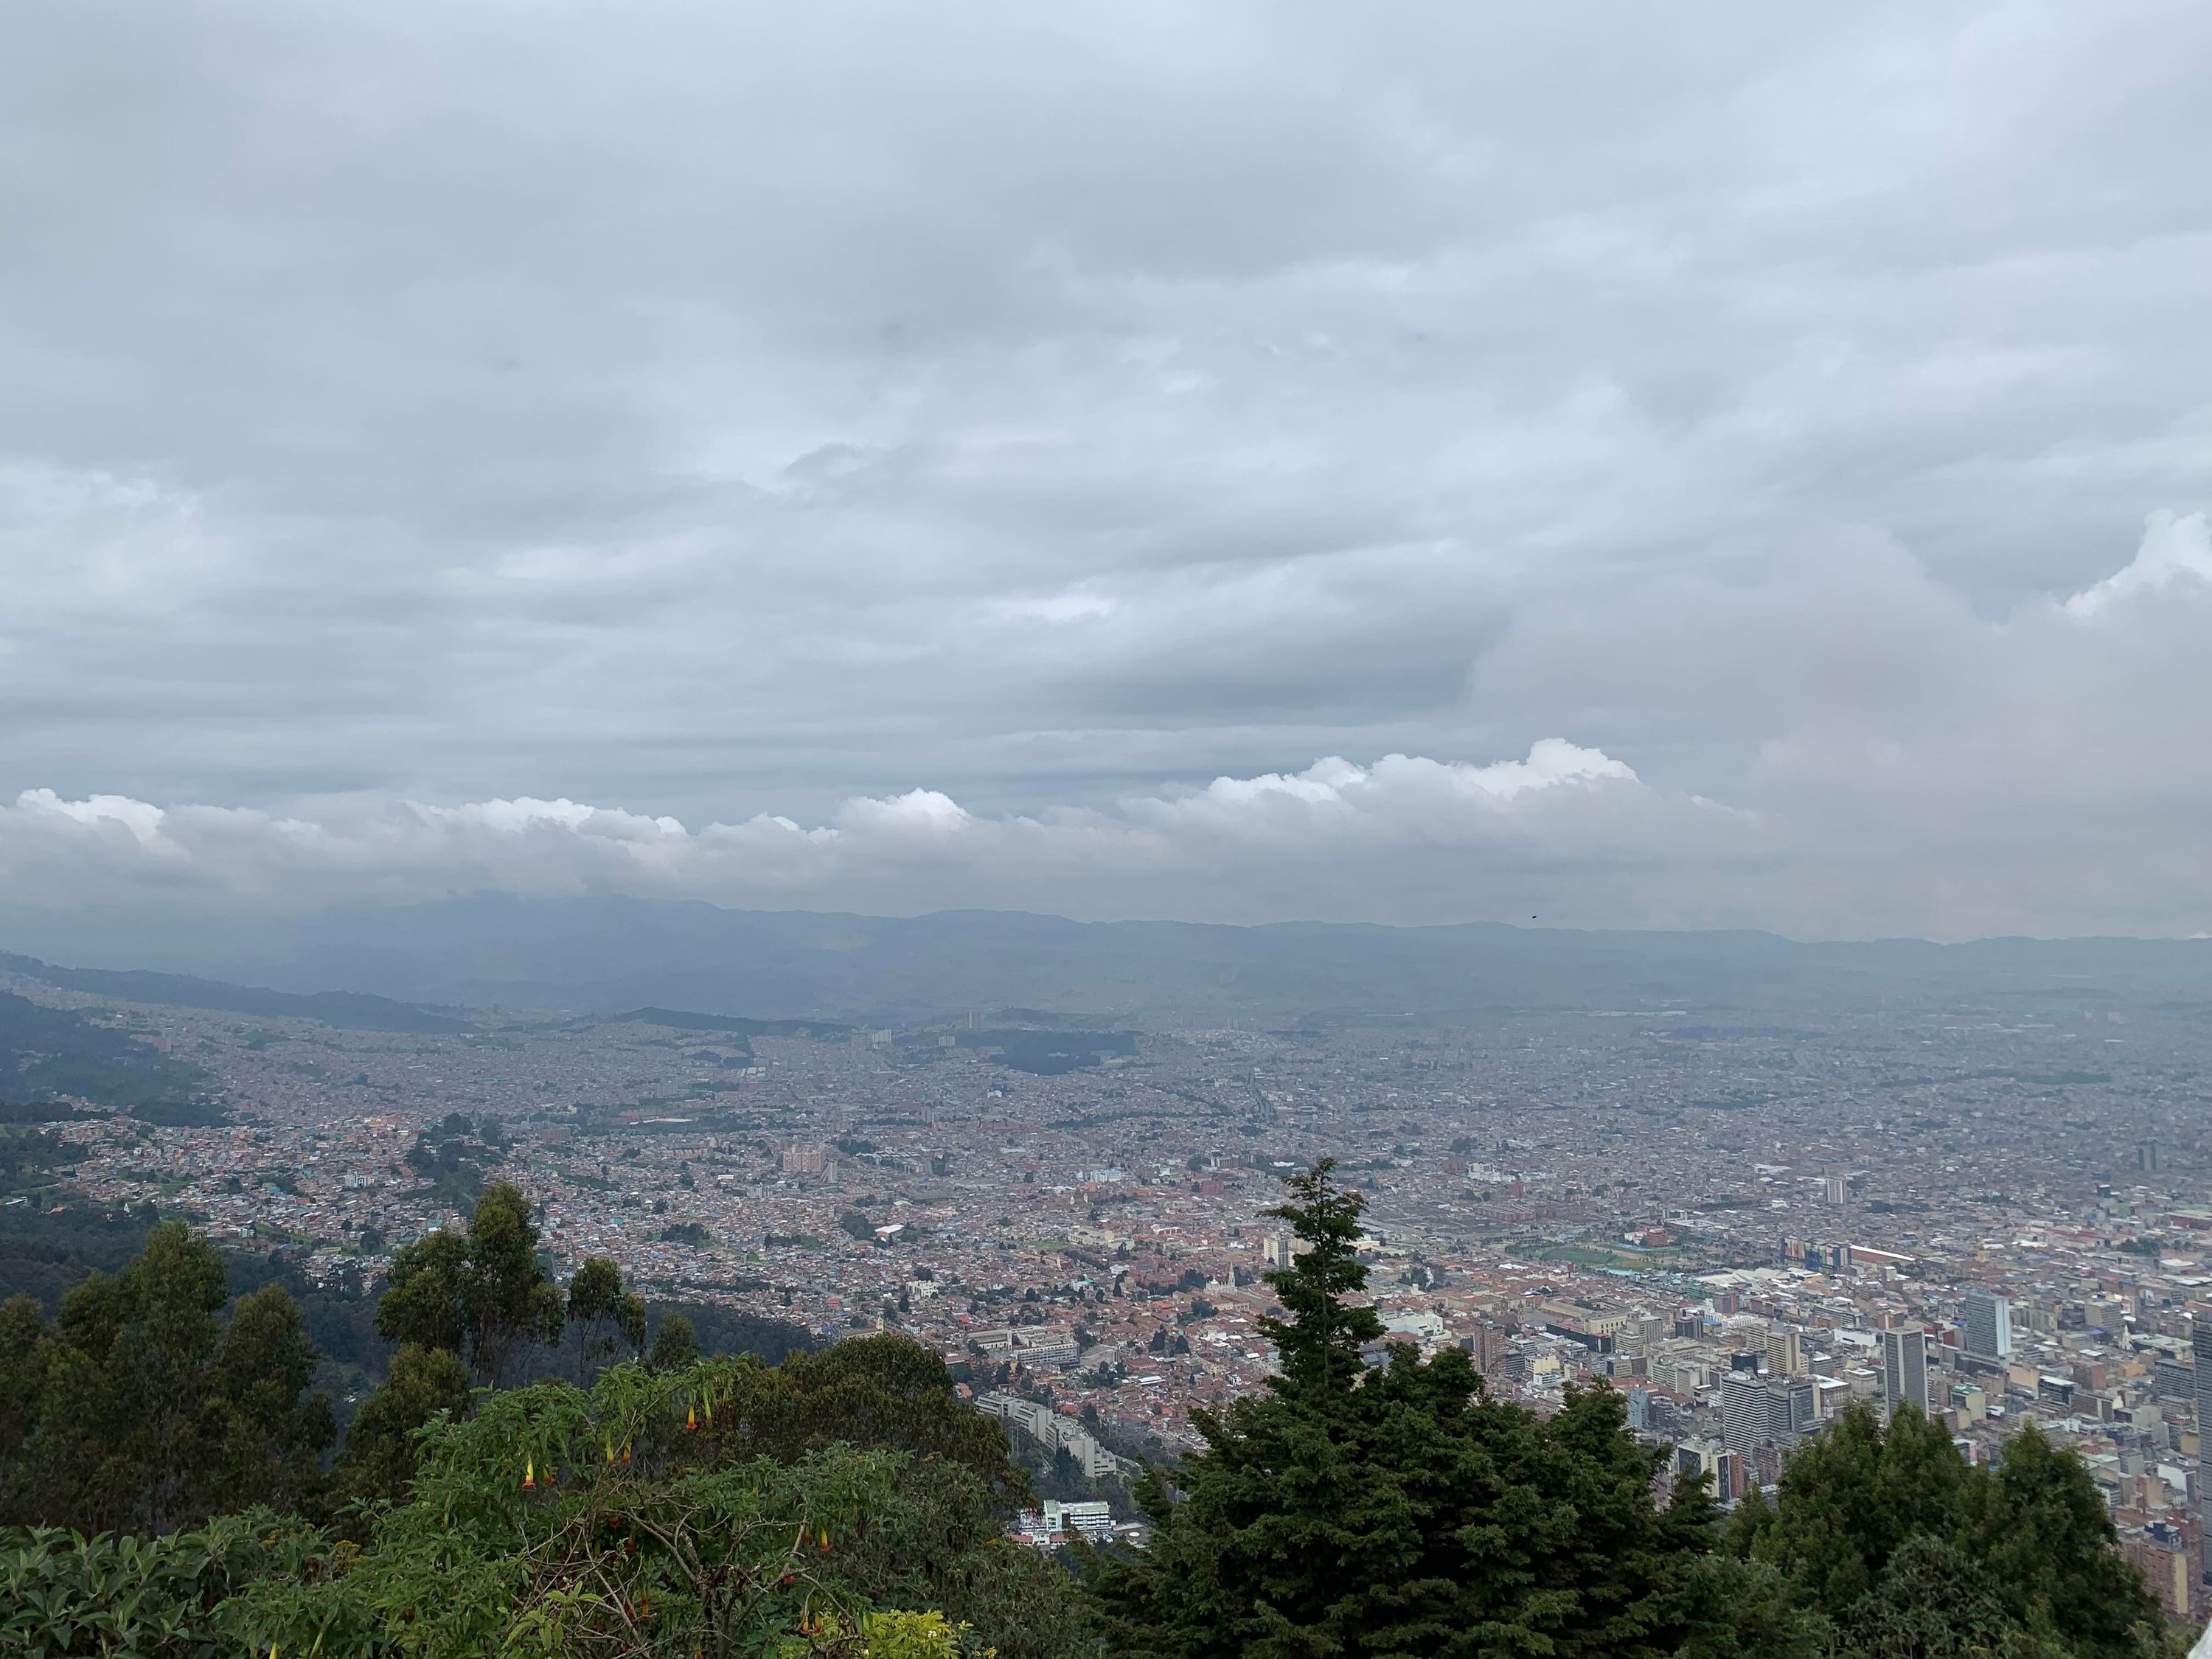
1348,836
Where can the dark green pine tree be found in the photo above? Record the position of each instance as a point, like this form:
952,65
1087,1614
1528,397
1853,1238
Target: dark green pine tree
675,1344
381,1452
602,1316
1395,1510
1850,1498
2040,1527
1890,1543
140,1408
483,1294
1318,1343
1933,1601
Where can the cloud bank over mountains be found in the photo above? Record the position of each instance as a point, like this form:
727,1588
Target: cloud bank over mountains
1257,843
1620,465
1898,758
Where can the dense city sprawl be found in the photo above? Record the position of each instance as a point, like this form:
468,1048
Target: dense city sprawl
1998,1217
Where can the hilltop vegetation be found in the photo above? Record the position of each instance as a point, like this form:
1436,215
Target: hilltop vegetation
348,1009
651,1501
1399,1511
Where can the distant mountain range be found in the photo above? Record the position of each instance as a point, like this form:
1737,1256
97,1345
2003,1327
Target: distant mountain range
416,968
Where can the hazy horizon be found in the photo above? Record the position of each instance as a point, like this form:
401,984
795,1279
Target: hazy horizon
604,957
31,927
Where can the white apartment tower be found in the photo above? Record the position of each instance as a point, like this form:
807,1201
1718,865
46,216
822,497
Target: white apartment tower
1904,1369
1989,1325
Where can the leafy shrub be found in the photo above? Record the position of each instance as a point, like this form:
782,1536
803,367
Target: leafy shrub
62,1593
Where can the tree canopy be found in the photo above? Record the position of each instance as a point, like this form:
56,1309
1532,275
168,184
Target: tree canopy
603,1316
1885,1536
482,1295
849,1503
1319,1345
675,1344
701,1510
140,1408
1397,1509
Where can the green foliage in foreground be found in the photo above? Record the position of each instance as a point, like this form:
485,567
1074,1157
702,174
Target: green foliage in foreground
1396,1510
382,1445
1399,1511
62,1593
1887,1541
639,1517
139,1408
847,1502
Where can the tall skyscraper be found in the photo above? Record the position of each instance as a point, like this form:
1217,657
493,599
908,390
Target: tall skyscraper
1743,1411
1785,1353
2200,1343
1904,1369
1756,1410
1791,1408
1487,1345
1639,1407
1989,1325
1730,1476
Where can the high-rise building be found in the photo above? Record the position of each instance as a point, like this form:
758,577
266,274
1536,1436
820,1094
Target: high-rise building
1487,1345
1771,1411
1730,1478
1904,1369
2147,1157
2166,1555
1785,1353
2200,1343
1724,1463
1989,1325
1837,1191
1743,1411
1792,1407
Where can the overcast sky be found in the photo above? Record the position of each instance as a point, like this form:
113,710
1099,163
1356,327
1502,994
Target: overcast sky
1622,464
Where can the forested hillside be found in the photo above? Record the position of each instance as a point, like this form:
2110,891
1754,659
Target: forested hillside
47,1054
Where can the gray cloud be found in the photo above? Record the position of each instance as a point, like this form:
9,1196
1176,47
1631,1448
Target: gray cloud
711,413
